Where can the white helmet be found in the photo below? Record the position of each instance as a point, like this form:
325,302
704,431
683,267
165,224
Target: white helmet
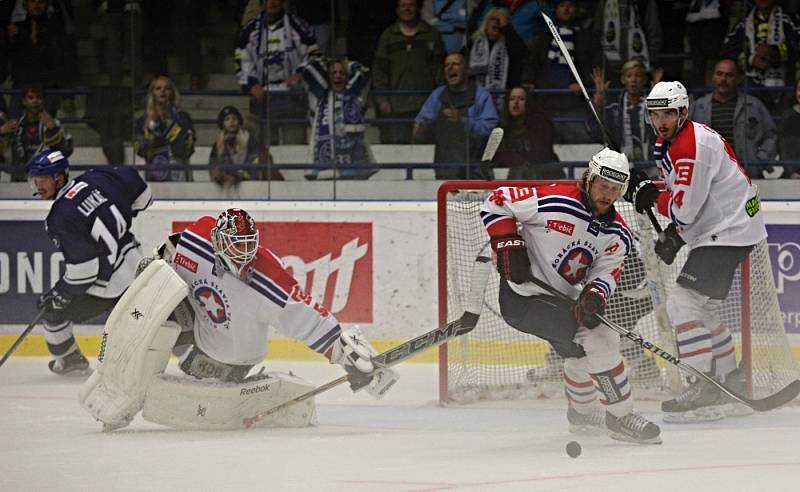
610,165
668,95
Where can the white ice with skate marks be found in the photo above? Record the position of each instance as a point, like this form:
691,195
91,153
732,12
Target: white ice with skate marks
405,442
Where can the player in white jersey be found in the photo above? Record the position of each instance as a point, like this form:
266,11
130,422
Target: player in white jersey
233,292
713,208
571,237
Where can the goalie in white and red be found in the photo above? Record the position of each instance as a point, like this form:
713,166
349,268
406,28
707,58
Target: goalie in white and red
222,293
571,237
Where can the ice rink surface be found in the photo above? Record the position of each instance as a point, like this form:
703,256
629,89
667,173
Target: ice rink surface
406,442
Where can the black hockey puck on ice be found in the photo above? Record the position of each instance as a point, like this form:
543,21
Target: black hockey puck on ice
573,449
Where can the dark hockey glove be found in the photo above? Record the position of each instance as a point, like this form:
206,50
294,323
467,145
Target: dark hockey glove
668,244
512,258
53,303
591,302
642,192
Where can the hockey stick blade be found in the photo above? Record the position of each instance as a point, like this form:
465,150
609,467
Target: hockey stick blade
771,402
492,144
406,350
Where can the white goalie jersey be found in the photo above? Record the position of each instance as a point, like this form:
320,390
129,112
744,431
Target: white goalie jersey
233,316
568,245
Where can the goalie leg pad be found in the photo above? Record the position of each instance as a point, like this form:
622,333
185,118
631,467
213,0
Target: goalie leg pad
187,403
136,345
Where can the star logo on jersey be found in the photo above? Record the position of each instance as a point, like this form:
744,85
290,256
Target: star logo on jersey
213,304
575,265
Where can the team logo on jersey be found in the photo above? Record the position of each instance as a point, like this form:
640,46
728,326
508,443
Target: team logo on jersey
575,264
214,304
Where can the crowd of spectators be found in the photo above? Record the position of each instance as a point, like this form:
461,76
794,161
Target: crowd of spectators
433,71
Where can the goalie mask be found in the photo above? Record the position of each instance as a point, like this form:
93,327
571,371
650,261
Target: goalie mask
235,239
610,165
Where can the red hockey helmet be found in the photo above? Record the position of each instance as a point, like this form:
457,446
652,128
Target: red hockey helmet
235,239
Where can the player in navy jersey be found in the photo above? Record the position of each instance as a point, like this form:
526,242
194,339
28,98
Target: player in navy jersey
571,237
90,223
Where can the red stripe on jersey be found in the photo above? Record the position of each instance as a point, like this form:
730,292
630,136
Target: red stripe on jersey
577,384
268,265
619,369
684,146
569,190
503,227
696,352
662,203
689,325
202,227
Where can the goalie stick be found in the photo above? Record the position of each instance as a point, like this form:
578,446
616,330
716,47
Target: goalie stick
461,326
785,395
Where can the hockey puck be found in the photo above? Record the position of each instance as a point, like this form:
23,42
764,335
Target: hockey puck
573,449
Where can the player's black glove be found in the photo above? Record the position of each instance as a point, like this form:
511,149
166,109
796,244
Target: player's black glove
642,192
590,303
512,258
668,244
53,302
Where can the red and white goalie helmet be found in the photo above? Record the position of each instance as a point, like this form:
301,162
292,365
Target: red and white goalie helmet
235,239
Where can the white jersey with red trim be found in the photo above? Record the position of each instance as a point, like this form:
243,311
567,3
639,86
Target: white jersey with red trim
233,316
569,246
708,196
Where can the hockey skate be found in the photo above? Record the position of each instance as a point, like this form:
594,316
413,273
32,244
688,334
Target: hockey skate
633,428
732,407
700,402
71,363
586,423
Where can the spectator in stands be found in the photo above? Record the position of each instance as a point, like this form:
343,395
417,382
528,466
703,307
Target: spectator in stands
497,53
7,128
625,116
122,23
233,147
449,17
36,130
706,25
164,135
38,47
409,57
527,145
457,118
268,52
742,119
547,69
338,144
321,19
5,20
764,43
789,136
629,29
525,16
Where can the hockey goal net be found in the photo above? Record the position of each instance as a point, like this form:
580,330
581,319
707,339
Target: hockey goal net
495,361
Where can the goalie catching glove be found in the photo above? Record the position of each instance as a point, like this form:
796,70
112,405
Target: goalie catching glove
590,303
513,263
353,352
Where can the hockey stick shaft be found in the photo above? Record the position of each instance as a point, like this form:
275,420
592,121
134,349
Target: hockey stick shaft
785,395
22,337
554,31
406,350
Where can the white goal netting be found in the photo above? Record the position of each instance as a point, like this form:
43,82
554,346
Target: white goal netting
495,361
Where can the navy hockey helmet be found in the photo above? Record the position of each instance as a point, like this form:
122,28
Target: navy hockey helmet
48,163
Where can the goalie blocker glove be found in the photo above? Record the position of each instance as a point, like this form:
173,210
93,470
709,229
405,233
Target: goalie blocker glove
668,245
642,192
353,352
590,303
513,263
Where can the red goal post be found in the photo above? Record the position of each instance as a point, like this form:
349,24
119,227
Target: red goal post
497,362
